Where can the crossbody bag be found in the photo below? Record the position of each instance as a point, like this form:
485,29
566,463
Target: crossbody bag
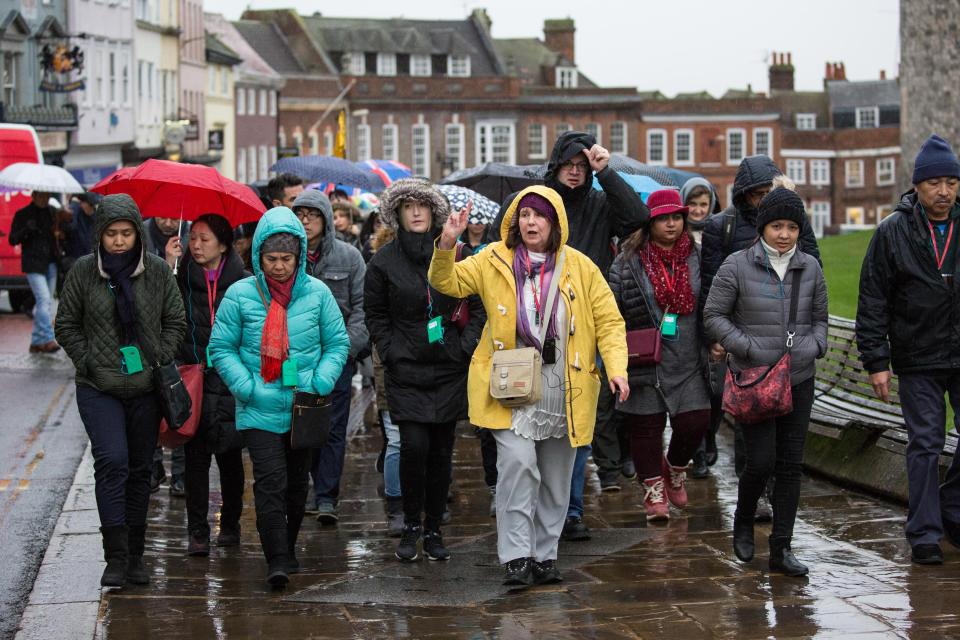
644,345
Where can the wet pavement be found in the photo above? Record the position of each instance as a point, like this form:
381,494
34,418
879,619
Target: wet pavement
678,580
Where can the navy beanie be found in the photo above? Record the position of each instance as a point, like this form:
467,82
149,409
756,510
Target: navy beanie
780,204
935,160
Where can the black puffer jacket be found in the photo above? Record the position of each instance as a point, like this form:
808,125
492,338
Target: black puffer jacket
87,326
32,228
594,217
907,313
754,171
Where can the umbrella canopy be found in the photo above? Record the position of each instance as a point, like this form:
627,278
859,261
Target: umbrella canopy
387,170
496,180
664,176
172,190
330,169
643,185
484,209
30,176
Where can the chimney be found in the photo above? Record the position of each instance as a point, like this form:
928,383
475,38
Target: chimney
482,18
558,36
780,73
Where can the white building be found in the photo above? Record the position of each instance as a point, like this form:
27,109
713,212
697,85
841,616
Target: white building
157,61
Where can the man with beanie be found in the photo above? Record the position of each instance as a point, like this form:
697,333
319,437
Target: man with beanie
908,323
341,267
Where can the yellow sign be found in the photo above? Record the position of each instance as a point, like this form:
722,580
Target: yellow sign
340,145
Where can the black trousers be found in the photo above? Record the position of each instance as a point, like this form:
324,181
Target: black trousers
611,441
123,433
197,484
488,453
426,453
280,481
775,447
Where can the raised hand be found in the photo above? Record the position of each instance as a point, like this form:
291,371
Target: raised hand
598,157
454,227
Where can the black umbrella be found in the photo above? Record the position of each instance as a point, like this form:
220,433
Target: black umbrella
667,176
496,180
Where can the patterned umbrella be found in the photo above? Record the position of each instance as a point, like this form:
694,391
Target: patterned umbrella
484,209
330,169
387,170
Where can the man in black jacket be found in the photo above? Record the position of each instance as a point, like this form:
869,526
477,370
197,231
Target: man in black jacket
908,317
32,228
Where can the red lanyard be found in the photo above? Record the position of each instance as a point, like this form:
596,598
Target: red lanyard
212,292
536,290
941,258
668,281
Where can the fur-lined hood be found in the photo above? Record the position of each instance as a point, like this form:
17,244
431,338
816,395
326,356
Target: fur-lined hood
415,189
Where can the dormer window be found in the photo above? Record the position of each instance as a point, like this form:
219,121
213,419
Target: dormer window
458,66
566,77
386,64
421,65
355,63
868,117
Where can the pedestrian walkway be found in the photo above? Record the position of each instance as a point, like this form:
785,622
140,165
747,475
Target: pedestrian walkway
675,581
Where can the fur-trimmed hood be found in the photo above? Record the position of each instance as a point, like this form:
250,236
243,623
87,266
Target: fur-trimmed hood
415,189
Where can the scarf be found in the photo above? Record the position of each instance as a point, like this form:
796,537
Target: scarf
521,257
418,247
674,294
275,342
120,268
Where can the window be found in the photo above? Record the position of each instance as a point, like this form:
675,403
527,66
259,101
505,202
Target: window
763,142
125,78
594,129
212,77
566,77
263,157
224,81
273,103
853,169
252,163
683,147
420,65
298,142
420,139
386,64
536,141
855,216
356,63
562,128
273,157
458,66
806,121
281,137
241,102
263,102
242,165
495,142
98,79
315,144
363,142
886,172
9,78
736,145
883,211
328,143
868,117
656,146
252,101
150,81
618,138
389,142
819,216
820,172
797,170
112,75
453,140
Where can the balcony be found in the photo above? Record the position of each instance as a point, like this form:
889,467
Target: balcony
41,118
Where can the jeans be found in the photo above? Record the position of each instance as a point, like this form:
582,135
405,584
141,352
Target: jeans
197,484
327,462
42,285
775,447
646,439
577,478
178,460
925,412
426,453
122,435
391,461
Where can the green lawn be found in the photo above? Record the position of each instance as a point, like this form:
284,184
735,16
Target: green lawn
842,256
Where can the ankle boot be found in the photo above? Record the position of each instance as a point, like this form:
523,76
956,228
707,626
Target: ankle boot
293,565
115,547
274,543
782,559
136,570
743,544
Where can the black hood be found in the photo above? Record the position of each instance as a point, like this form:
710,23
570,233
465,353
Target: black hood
754,171
568,145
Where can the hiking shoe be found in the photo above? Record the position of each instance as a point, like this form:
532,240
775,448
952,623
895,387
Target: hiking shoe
926,554
655,500
518,572
407,549
628,470
675,480
198,546
327,514
609,482
574,530
433,546
546,572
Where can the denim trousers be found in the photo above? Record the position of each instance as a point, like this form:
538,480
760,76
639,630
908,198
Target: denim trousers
327,462
43,285
575,508
391,461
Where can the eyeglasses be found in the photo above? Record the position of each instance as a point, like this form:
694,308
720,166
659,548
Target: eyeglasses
575,167
307,215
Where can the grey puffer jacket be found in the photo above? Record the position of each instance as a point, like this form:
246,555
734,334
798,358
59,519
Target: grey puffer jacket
748,308
342,269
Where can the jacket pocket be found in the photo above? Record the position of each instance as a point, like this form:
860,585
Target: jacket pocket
339,284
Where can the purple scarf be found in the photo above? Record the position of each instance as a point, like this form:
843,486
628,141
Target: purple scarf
530,336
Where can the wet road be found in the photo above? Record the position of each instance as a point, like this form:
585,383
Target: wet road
41,441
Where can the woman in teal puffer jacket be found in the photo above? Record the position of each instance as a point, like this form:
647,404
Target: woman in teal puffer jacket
249,346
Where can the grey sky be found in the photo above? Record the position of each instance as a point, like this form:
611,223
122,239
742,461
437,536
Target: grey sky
673,45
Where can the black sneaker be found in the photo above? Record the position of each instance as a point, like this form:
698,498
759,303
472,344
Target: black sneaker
518,572
700,469
546,572
926,554
609,482
574,530
407,549
628,470
433,546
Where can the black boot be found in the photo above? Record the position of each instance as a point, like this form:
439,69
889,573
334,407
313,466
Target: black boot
274,543
115,547
743,544
136,571
293,565
700,469
782,559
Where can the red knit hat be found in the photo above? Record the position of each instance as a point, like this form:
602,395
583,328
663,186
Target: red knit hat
664,202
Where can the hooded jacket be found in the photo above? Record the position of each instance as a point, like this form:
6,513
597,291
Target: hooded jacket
595,217
87,324
593,320
32,229
425,382
754,171
341,268
318,338
908,314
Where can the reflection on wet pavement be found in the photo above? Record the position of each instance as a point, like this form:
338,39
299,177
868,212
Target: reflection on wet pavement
675,581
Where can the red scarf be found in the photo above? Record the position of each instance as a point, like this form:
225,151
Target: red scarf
274,342
670,275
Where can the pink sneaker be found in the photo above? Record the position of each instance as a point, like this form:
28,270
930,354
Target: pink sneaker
654,500
676,478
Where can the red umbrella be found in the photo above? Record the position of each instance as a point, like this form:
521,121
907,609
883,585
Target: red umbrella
164,189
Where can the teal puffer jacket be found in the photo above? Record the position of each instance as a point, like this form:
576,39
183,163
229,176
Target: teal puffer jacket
318,338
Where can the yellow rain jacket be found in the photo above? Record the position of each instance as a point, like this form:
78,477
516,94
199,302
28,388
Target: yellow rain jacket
592,318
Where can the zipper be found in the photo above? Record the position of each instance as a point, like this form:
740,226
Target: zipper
567,392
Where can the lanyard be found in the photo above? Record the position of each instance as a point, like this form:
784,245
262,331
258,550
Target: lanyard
941,258
212,291
537,289
670,283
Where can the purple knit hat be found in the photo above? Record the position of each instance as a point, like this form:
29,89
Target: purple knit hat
539,204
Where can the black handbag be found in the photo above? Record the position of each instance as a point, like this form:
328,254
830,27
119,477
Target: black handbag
310,422
173,396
